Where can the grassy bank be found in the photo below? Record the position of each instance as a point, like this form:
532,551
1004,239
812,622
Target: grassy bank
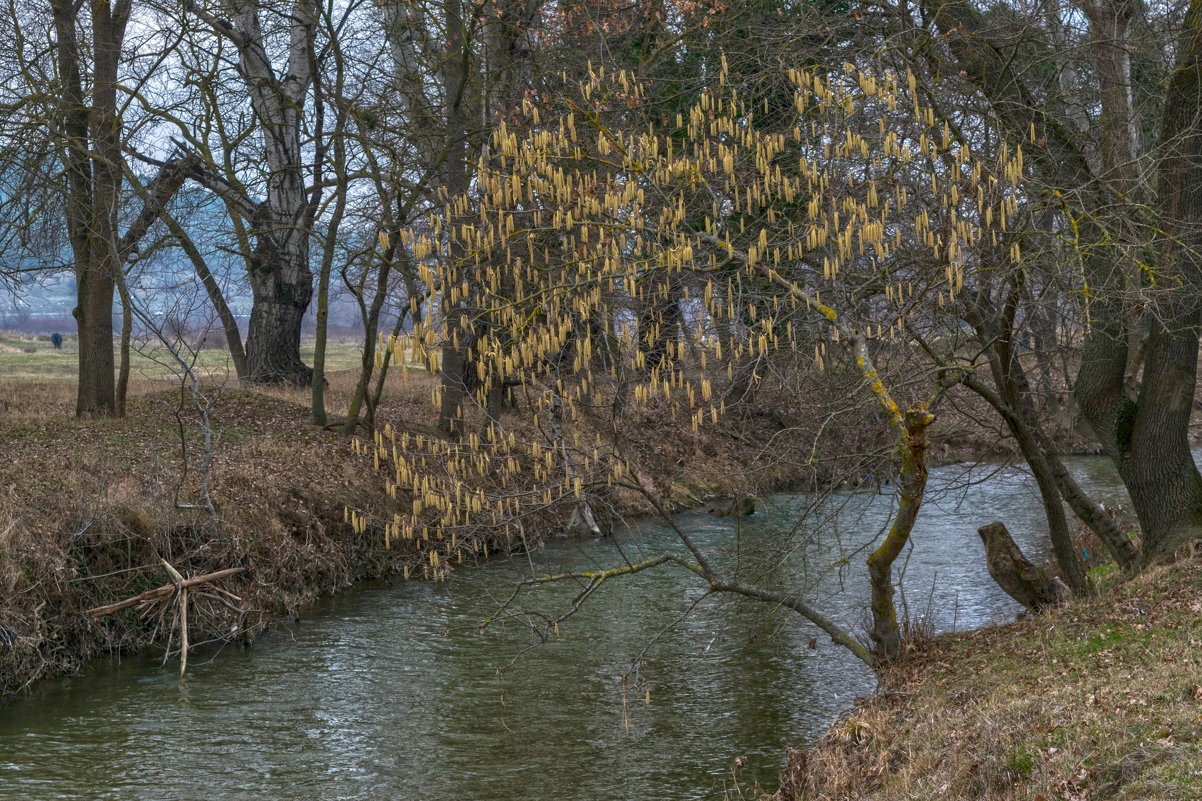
1099,700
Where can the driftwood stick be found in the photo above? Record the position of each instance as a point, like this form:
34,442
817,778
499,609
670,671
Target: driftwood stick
183,631
226,593
181,610
159,593
172,573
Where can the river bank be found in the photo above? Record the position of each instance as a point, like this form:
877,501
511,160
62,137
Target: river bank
1101,699
88,509
653,689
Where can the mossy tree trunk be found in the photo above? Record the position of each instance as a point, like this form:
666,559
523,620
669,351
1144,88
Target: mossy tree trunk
912,483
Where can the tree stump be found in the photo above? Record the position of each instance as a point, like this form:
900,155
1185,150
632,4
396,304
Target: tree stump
741,507
1033,587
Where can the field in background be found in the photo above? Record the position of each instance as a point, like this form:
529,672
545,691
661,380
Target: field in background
38,382
28,357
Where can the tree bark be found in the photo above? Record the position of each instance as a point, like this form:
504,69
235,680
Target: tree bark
1031,586
127,332
327,266
458,333
93,167
912,483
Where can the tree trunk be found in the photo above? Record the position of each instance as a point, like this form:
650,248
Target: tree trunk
278,266
582,520
372,401
1041,456
659,321
454,380
912,483
156,195
320,337
281,288
371,332
93,168
127,332
229,323
1031,586
1148,437
1160,473
342,180
997,332
96,396
457,329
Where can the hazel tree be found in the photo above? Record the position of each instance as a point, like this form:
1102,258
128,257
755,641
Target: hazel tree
831,232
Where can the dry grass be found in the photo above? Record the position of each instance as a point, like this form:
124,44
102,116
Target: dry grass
87,511
1101,700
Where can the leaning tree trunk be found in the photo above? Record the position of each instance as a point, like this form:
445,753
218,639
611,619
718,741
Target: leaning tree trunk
229,323
1019,414
371,331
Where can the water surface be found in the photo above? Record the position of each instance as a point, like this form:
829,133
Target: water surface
391,692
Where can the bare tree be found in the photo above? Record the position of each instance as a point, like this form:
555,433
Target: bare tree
90,135
1136,392
281,223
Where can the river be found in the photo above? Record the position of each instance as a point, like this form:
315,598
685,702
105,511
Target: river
650,691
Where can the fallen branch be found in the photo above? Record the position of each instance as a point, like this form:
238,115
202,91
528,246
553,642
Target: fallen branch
165,591
182,613
717,584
